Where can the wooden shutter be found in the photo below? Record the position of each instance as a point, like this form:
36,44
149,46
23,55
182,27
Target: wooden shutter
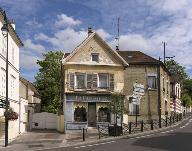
89,80
71,80
94,81
111,82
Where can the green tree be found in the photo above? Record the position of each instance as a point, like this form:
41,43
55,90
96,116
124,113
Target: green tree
187,92
176,69
186,100
117,105
48,81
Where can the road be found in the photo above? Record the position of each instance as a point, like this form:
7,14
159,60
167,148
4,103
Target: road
176,139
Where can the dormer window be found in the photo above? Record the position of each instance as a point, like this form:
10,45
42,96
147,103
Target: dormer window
95,57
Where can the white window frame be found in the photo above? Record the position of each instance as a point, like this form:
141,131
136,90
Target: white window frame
98,83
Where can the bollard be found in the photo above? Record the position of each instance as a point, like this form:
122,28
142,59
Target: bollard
129,127
177,118
173,119
99,132
142,126
83,134
166,121
151,124
170,120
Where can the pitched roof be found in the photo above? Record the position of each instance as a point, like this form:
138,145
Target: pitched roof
68,56
11,29
29,84
137,57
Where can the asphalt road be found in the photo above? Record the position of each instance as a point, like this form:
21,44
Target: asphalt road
176,139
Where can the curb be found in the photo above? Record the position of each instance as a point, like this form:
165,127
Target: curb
116,138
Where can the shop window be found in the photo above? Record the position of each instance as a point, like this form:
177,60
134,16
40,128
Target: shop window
103,80
103,115
80,114
152,82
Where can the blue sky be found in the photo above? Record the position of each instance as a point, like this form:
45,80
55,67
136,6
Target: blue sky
45,25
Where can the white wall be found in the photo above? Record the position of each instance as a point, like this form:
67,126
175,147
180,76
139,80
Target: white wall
13,82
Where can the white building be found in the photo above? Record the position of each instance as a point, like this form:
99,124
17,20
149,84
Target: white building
176,103
14,43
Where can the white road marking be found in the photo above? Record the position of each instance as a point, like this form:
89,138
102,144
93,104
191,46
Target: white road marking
94,144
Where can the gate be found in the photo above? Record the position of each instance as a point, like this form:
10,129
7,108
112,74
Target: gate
44,120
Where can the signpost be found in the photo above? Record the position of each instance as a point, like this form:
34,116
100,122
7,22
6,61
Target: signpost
138,92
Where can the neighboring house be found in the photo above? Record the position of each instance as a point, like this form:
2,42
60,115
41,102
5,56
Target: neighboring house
143,70
93,71
29,103
176,103
14,43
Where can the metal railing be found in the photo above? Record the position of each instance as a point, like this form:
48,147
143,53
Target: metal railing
140,126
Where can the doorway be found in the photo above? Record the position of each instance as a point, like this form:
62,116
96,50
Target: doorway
92,114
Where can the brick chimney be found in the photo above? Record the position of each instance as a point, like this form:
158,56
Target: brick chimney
90,31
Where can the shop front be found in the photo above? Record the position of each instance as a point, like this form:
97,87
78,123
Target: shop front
86,111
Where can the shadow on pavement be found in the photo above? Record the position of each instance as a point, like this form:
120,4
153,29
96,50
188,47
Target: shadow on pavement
172,142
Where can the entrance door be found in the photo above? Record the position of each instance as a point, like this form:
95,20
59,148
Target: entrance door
92,114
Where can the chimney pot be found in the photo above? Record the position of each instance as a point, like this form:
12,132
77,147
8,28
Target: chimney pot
90,31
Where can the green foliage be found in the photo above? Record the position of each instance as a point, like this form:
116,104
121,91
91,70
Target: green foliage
186,100
117,104
48,81
176,69
187,92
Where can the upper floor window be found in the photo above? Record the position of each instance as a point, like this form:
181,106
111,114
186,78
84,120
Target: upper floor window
95,57
4,48
91,81
152,82
80,80
103,80
13,54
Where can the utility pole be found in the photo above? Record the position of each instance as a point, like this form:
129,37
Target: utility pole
117,38
159,90
164,55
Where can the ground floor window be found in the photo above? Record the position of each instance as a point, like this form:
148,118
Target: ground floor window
103,114
80,114
133,109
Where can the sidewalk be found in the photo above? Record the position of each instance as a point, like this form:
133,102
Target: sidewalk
42,139
39,139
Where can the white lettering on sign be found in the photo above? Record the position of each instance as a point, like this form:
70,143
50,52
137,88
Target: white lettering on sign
138,92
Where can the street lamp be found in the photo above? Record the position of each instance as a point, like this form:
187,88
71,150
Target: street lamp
5,32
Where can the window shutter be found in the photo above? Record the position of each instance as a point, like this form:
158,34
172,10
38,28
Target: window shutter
111,82
71,81
94,81
89,81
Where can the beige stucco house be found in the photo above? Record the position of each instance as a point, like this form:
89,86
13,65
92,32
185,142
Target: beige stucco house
93,71
143,70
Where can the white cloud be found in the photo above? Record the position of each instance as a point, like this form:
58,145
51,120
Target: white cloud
28,60
34,23
173,5
66,39
131,42
103,33
29,45
63,20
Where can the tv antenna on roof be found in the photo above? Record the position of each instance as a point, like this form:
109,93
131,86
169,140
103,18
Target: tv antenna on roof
117,38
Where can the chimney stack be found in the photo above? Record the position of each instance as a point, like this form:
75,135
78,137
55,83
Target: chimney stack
90,31
117,48
12,22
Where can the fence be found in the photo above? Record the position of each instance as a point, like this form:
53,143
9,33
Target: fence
140,126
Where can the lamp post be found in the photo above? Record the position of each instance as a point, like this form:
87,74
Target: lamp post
5,32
